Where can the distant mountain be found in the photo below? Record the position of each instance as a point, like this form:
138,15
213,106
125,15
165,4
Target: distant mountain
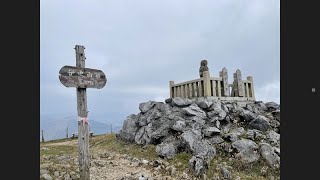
55,126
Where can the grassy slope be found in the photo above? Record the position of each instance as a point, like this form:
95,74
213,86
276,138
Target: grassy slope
108,142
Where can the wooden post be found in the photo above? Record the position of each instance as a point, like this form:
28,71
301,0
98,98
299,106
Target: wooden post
42,136
111,129
206,84
83,135
67,133
171,83
251,89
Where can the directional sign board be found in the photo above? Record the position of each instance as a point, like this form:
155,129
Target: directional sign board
71,76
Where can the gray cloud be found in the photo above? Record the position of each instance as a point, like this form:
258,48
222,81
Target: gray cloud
142,45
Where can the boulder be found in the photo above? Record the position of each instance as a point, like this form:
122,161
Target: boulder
193,143
273,138
247,150
198,166
260,123
179,126
247,115
254,134
215,140
267,152
272,106
194,110
210,131
129,129
146,106
179,102
168,150
231,137
276,114
204,103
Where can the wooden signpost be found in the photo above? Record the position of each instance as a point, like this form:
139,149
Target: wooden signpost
82,78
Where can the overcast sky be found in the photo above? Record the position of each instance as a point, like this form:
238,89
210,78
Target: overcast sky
142,45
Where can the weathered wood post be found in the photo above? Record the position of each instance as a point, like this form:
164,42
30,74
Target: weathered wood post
83,134
206,84
42,138
82,78
111,129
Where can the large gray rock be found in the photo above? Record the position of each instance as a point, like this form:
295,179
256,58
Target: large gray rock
267,152
204,103
178,101
261,106
193,143
215,140
189,138
217,114
198,166
260,123
272,106
179,126
273,138
147,117
254,134
164,109
244,144
217,111
247,115
142,137
168,148
251,107
129,129
238,131
231,137
146,106
276,114
210,131
194,110
247,150
159,129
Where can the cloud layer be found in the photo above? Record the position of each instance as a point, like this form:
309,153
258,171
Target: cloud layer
142,45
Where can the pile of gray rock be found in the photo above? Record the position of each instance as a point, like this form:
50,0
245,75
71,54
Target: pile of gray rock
203,127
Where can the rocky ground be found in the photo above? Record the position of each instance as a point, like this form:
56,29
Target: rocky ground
110,159
179,139
247,133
